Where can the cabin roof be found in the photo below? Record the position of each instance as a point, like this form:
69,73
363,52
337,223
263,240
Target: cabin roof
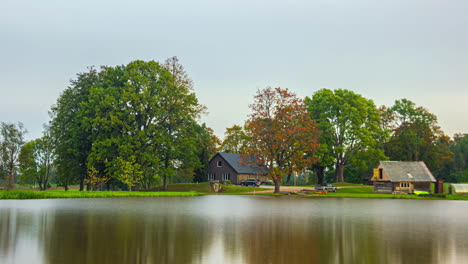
240,167
407,171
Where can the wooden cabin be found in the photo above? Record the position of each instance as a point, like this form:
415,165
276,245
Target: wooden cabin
230,167
402,177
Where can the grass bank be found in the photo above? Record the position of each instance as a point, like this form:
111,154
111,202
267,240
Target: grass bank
365,191
23,194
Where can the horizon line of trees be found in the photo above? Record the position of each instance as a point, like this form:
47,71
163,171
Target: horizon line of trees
136,126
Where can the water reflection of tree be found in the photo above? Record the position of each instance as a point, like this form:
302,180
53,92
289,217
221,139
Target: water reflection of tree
122,238
8,232
273,240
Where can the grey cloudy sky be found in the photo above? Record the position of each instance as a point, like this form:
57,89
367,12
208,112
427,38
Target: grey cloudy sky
384,50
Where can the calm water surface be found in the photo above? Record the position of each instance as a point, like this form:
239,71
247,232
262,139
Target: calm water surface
233,229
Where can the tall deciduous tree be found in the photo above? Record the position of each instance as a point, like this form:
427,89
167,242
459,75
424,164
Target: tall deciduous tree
350,125
457,170
416,136
280,133
72,139
208,144
235,139
142,122
36,160
11,141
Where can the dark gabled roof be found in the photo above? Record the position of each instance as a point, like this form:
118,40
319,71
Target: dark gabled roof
241,167
407,171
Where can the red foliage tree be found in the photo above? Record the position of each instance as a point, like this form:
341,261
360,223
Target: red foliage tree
281,134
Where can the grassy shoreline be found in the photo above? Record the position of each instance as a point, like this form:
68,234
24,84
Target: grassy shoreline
195,189
26,194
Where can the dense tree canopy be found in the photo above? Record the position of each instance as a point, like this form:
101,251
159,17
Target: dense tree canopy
134,123
280,134
36,160
416,136
235,139
11,142
349,124
457,170
72,139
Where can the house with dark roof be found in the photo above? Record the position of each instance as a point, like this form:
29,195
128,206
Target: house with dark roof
402,177
230,167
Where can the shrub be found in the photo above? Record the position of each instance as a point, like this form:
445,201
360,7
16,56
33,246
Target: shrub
228,182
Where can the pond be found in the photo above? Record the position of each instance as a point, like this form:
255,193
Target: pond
233,229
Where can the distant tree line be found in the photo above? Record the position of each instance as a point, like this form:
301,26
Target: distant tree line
136,126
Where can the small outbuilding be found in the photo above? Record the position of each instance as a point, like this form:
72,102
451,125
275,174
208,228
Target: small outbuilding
458,189
230,167
402,177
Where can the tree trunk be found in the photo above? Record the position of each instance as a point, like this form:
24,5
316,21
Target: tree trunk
339,172
165,183
11,176
166,165
66,187
320,171
277,186
82,183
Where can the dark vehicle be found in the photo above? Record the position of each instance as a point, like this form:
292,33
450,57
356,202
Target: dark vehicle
251,182
326,187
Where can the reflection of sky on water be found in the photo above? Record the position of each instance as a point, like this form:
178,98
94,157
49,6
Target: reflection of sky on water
233,229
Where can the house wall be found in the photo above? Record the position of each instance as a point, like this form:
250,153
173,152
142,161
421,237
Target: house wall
220,171
383,187
413,186
385,177
422,186
397,187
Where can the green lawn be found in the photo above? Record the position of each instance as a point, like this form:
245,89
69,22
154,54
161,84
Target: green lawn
342,184
24,194
363,189
366,191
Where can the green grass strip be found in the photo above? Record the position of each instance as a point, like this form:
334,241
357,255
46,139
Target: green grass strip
21,195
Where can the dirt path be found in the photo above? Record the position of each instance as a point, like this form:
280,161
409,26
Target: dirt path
284,189
293,189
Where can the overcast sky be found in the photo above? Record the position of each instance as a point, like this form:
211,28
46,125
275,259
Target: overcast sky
384,50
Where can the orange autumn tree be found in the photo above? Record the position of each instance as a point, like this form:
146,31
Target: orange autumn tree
281,134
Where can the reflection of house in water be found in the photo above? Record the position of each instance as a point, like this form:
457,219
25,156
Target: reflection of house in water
400,177
230,167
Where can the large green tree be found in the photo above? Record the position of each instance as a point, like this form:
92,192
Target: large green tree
235,139
208,144
142,122
11,141
133,124
280,133
36,160
350,125
457,170
72,139
416,136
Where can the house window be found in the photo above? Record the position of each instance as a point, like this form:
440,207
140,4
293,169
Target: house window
404,185
380,173
211,176
220,163
226,177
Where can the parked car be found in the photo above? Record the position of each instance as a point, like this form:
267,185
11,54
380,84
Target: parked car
326,187
267,182
251,182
